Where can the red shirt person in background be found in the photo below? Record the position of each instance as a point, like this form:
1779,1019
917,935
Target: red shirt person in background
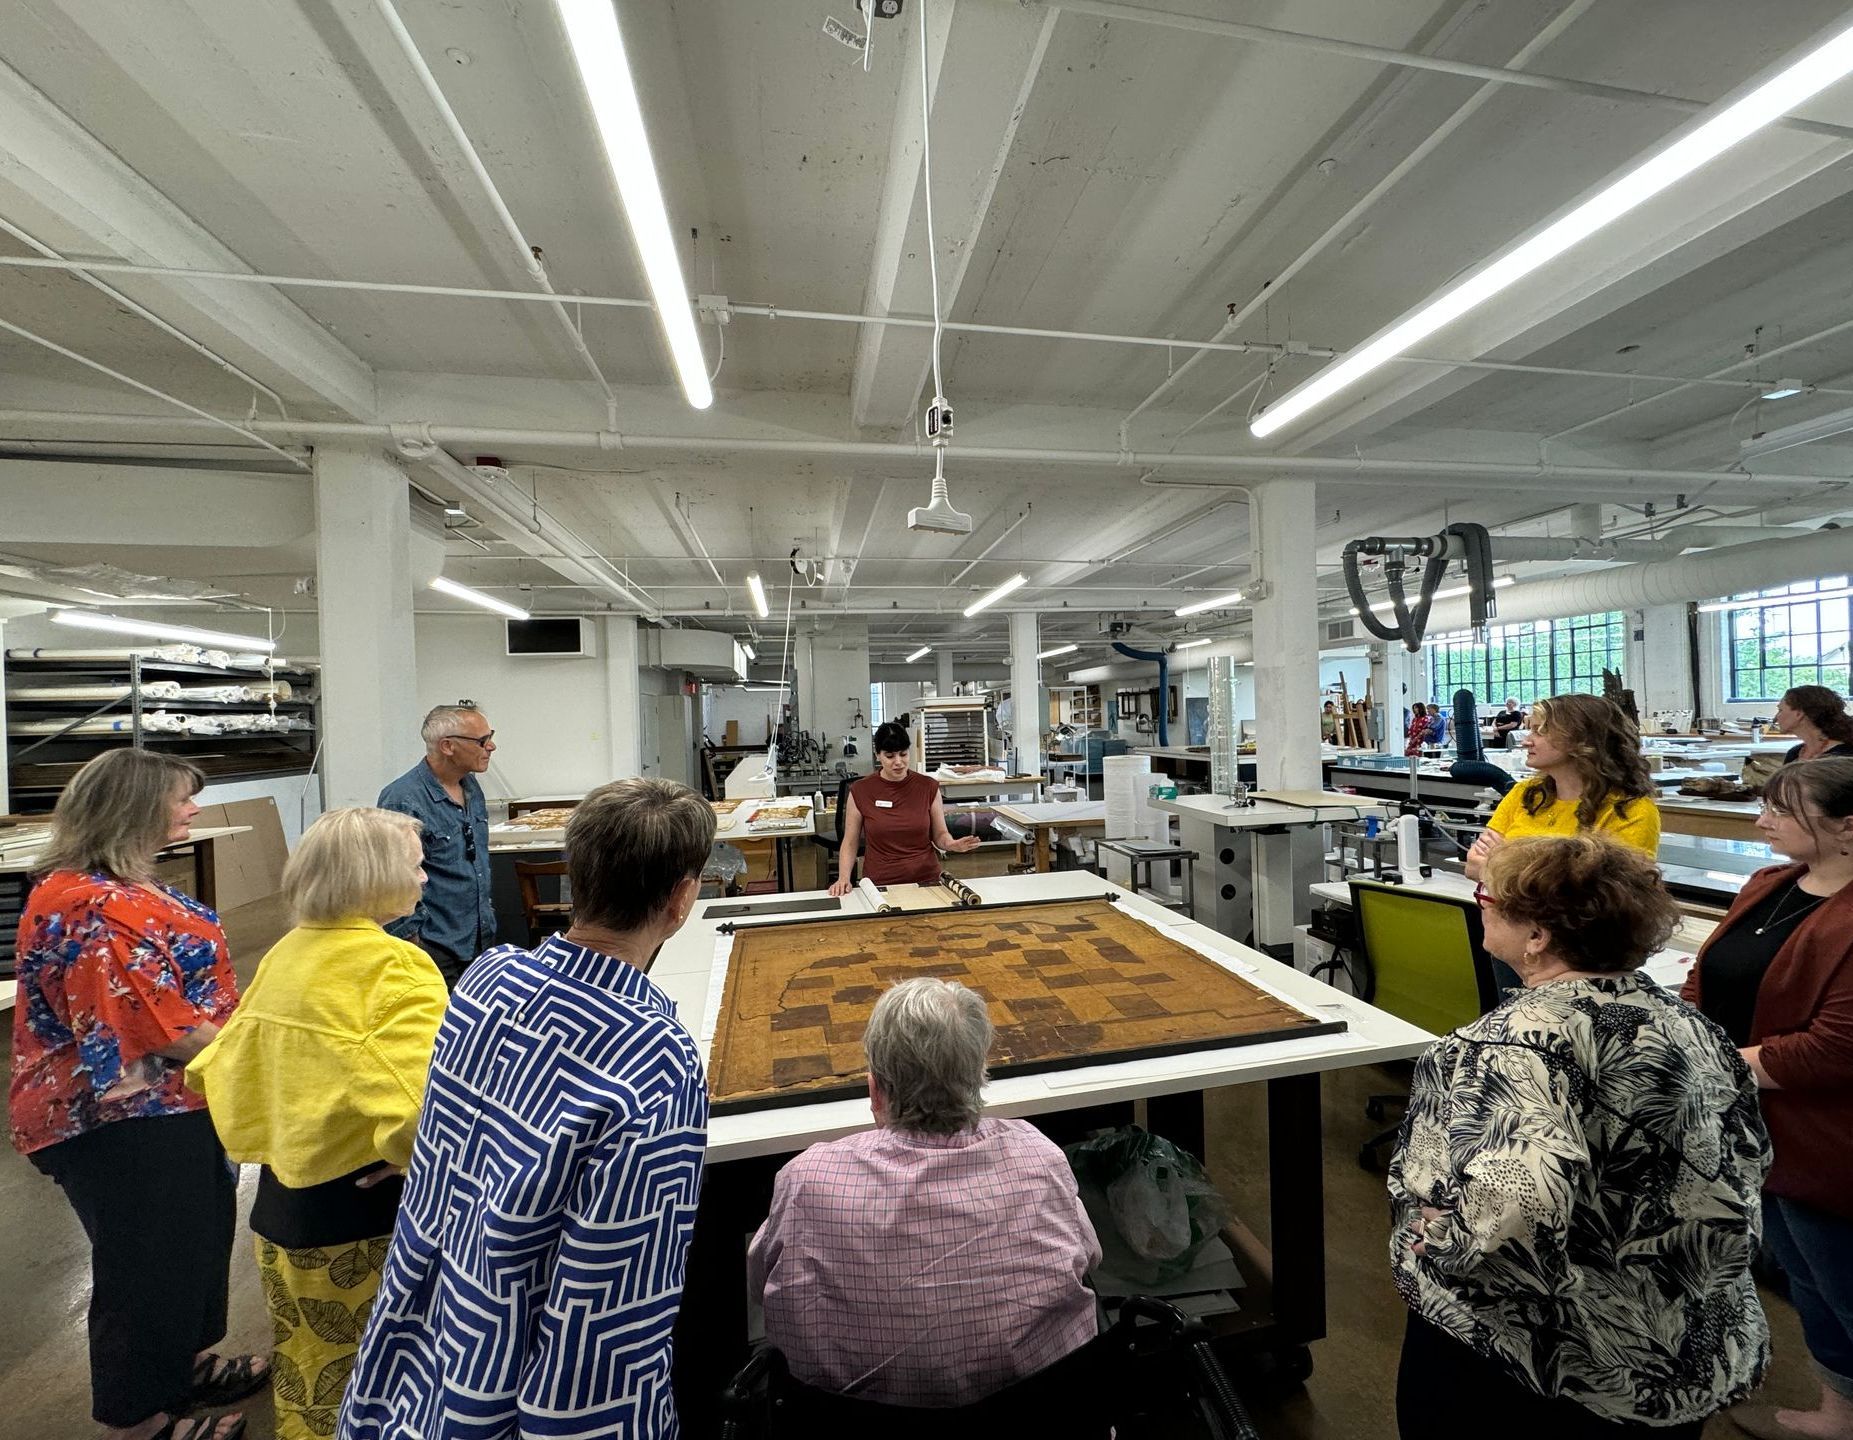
903,817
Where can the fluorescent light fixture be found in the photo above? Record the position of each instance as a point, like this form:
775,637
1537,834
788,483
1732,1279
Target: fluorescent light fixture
758,588
920,654
751,653
1192,644
1767,103
1770,601
1783,389
457,510
778,689
1822,427
155,630
598,47
984,602
1058,650
476,597
1455,591
1234,597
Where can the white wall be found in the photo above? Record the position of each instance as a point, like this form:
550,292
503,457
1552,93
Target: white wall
754,710
833,684
551,714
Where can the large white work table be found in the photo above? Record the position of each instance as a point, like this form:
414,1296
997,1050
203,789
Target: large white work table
1255,861
745,1150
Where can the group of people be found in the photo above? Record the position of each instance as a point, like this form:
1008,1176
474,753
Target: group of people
475,1205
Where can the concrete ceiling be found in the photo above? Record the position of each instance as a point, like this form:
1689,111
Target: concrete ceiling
1113,177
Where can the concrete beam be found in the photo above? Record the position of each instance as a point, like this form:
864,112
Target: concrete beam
62,184
988,55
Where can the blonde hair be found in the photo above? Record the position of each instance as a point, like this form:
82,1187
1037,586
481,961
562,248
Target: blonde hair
1603,747
352,863
115,815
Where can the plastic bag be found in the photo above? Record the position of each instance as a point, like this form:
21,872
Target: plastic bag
1151,1203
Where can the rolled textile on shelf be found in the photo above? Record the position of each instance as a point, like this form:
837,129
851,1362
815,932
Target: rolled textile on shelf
155,722
151,690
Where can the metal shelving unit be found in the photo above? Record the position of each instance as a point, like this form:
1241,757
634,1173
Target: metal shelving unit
39,766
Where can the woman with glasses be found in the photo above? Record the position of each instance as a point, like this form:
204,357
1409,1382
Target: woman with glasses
122,981
1777,977
1575,1190
1589,774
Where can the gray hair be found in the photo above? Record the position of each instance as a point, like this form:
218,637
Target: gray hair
927,1041
443,722
115,815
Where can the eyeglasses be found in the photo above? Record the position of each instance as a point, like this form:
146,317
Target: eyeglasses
469,839
1482,899
482,740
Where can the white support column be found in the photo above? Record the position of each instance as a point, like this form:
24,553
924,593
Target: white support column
363,536
942,661
1398,675
623,690
1286,638
1664,681
1028,709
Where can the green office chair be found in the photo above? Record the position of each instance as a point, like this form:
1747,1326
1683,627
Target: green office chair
1426,957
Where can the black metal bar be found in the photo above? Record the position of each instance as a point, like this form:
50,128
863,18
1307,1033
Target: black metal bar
1296,1206
1179,1118
135,699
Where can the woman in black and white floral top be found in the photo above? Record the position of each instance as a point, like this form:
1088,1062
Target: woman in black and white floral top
1575,1196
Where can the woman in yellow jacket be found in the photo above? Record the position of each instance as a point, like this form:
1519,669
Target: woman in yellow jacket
318,1077
1590,775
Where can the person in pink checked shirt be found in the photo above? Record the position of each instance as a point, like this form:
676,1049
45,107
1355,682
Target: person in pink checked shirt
940,1256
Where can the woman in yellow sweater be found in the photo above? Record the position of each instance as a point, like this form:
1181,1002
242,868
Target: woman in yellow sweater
318,1077
1589,775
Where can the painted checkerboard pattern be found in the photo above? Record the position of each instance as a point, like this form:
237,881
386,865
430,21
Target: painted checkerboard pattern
1070,984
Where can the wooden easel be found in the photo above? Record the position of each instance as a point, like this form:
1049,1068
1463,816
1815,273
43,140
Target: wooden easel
1354,717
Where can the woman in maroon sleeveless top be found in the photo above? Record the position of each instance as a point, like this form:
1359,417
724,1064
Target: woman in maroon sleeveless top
900,813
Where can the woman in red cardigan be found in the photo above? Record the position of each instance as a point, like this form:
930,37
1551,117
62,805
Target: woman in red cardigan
1777,976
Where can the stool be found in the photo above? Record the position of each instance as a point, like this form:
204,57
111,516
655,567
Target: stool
543,917
1141,855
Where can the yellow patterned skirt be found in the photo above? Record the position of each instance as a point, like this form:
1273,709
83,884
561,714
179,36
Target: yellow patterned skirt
319,1301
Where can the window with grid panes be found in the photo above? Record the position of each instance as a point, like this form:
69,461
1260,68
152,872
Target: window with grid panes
1531,660
875,715
1800,640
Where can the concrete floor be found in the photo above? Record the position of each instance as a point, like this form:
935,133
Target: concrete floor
44,1273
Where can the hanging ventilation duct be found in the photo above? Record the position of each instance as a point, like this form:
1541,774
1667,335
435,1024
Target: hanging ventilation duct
1707,575
1240,650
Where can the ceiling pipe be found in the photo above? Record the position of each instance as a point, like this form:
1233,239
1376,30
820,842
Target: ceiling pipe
1169,343
526,254
524,523
134,308
1434,474
1345,223
1240,649
1383,55
1706,575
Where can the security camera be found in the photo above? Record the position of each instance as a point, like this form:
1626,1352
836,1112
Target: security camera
880,9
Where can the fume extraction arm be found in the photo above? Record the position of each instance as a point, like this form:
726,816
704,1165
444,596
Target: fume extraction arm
1468,543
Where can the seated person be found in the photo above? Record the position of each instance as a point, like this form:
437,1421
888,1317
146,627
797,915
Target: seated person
1506,721
939,1257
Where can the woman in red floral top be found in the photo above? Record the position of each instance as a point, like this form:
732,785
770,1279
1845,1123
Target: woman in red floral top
121,982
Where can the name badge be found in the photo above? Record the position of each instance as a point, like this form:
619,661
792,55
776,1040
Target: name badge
884,804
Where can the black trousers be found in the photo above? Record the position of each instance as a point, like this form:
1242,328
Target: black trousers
159,1201
1445,1389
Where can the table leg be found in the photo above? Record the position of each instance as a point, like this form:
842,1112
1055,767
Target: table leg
711,1326
205,878
1296,1206
1179,1118
1043,863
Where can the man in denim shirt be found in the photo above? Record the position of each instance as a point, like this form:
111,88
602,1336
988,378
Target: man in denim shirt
455,919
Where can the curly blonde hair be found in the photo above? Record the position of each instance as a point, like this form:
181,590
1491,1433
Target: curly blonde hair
1604,748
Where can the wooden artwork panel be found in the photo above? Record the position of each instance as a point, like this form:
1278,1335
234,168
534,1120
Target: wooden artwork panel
1069,983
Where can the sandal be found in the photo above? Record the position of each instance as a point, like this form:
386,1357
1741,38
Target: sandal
202,1427
218,1381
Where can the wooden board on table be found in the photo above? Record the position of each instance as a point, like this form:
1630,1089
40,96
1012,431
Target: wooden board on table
1069,983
